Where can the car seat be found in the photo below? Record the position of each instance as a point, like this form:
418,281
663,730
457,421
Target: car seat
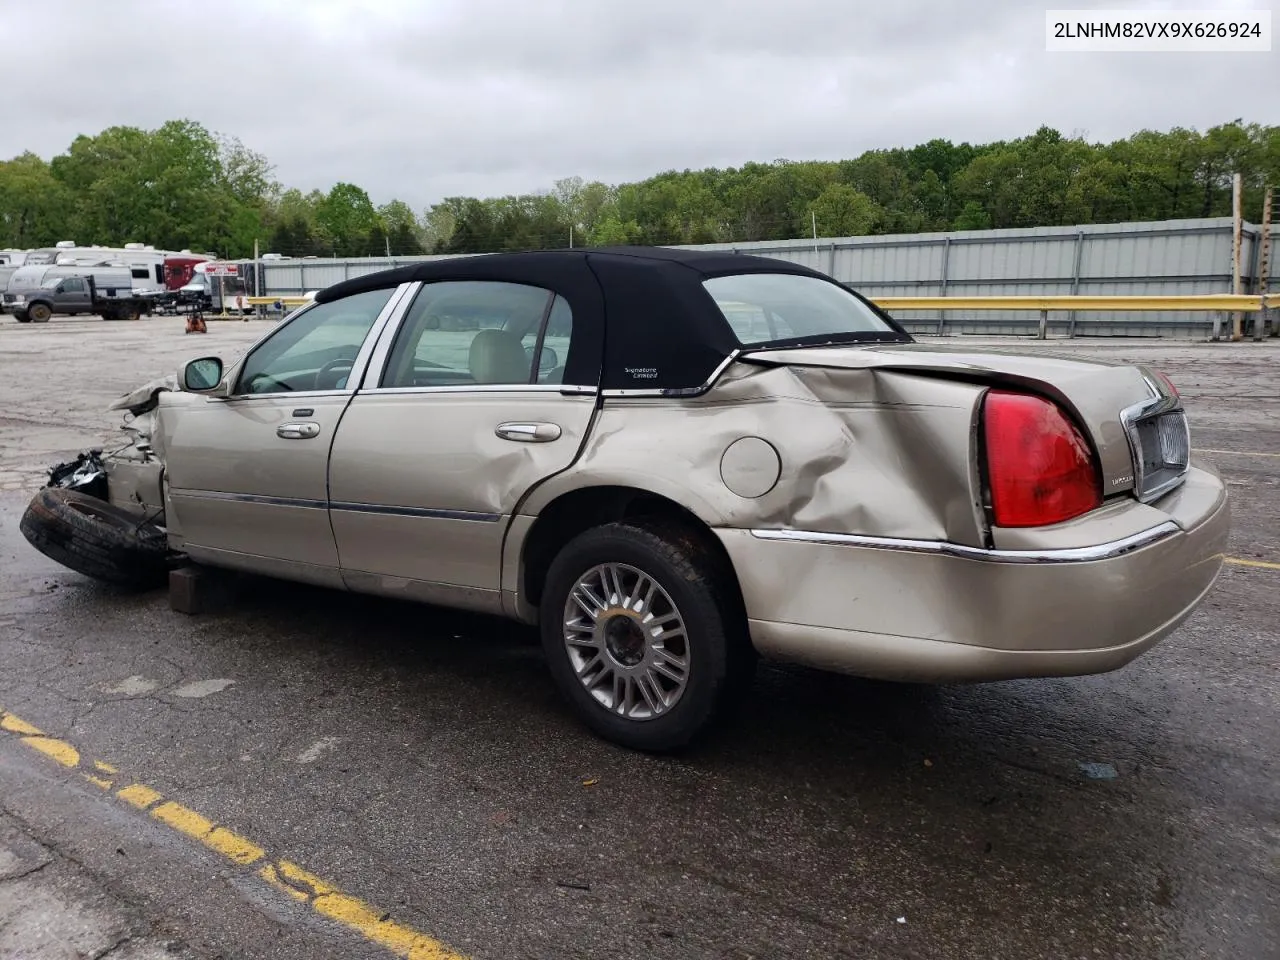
497,356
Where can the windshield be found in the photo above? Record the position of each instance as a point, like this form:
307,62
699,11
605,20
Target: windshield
50,283
773,309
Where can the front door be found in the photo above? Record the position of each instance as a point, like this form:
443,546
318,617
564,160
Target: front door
468,413
74,296
247,473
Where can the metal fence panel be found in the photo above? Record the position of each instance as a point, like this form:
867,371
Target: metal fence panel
1168,257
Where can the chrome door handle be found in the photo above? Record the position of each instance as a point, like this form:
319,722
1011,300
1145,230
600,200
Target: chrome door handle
528,432
298,431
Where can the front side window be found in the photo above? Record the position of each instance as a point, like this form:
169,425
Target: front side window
74,285
768,309
316,350
478,332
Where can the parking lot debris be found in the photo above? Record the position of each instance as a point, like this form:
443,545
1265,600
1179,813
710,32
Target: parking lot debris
1098,771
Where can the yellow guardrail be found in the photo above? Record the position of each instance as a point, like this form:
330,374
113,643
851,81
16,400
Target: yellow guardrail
290,301
1226,302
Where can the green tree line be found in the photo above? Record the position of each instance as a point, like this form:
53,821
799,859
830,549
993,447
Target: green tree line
181,186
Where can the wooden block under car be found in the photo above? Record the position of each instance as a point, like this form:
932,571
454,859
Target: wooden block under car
195,590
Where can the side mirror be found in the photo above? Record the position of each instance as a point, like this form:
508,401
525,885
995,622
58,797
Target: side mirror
549,360
203,375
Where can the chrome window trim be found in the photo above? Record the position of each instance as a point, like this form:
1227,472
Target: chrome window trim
371,380
678,391
372,376
570,390
358,366
242,398
1101,551
1130,417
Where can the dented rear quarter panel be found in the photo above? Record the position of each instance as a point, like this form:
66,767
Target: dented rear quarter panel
861,451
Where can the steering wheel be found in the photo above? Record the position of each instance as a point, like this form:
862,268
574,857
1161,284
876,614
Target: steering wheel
333,365
252,384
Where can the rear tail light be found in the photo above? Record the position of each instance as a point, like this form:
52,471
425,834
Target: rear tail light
1039,467
1164,378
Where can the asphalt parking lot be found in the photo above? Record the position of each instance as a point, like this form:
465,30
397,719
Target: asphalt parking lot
399,779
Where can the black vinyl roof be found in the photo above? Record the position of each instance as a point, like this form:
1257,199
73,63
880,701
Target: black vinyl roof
641,318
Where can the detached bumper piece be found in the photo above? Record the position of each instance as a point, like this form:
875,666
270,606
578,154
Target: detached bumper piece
70,521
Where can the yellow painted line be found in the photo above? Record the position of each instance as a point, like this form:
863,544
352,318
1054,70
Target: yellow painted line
1261,564
291,871
15,725
183,820
272,876
283,876
60,750
1240,453
233,846
138,795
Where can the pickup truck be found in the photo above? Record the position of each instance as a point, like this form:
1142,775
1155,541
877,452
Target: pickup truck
108,292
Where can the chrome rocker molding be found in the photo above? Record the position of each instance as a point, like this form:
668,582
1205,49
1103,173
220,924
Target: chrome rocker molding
1101,551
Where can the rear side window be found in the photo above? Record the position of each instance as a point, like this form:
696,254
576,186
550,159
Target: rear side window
481,332
774,308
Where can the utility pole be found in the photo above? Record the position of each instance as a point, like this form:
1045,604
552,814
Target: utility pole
1264,266
1237,226
814,216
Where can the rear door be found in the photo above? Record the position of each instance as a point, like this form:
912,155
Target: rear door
248,473
468,411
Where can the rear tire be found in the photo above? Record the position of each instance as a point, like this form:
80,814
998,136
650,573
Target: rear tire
665,654
97,539
39,313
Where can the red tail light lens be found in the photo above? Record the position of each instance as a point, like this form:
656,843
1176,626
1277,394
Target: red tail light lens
1164,377
1040,468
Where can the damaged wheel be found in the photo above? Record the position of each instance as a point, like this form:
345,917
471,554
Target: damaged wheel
95,538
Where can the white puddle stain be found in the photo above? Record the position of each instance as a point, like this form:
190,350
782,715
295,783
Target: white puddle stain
202,688
133,686
313,752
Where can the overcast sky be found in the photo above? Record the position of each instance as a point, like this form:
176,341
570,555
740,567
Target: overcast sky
421,99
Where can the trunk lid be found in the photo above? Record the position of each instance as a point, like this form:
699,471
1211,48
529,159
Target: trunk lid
1134,421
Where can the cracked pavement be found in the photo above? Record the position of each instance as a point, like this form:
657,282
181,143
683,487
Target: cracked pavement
421,759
